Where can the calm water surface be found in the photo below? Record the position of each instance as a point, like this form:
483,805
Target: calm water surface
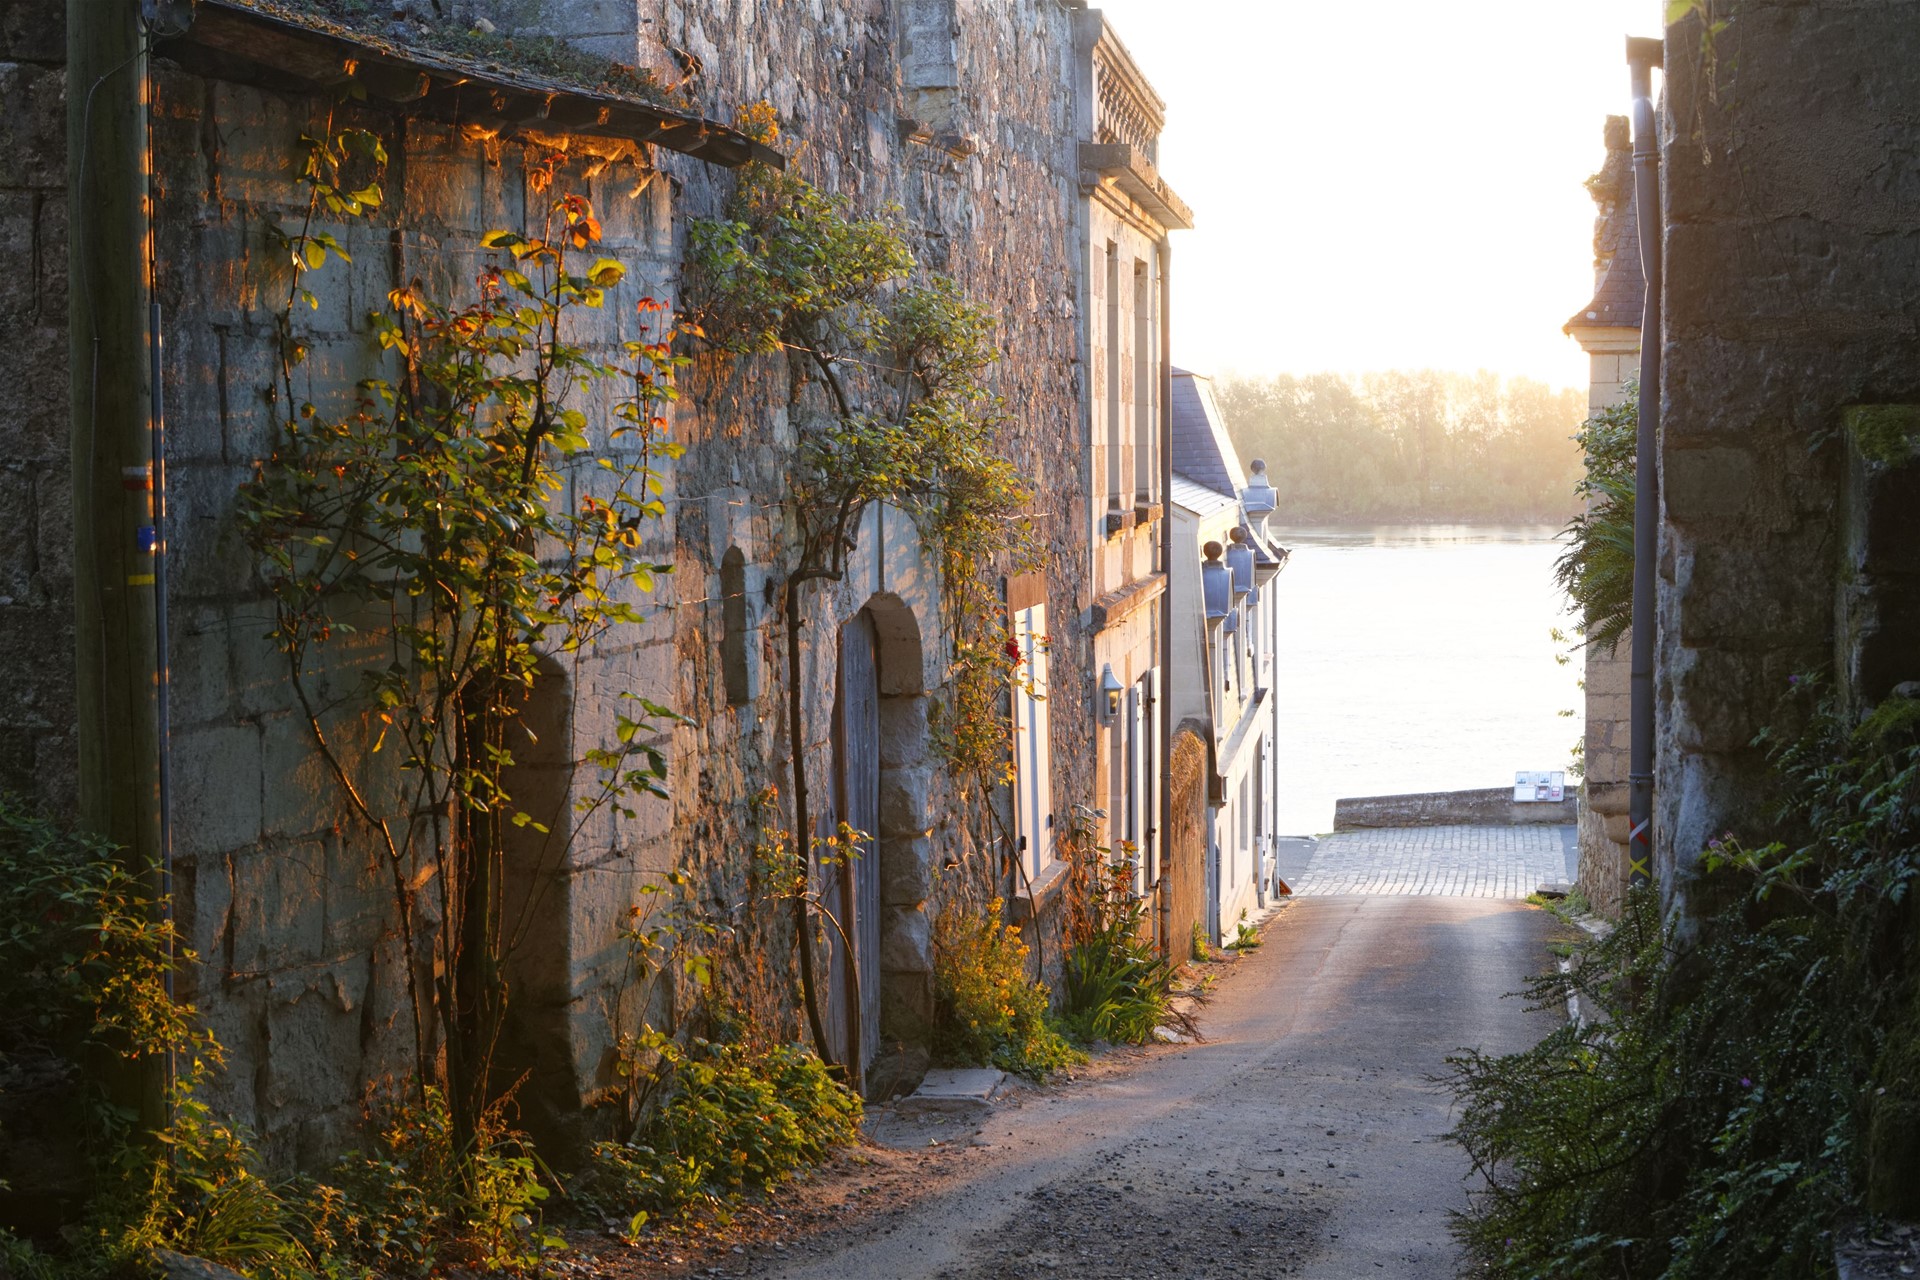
1417,658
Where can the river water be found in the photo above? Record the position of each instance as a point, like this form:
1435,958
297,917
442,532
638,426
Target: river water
1417,658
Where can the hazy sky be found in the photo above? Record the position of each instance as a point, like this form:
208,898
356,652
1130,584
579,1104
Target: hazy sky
1383,183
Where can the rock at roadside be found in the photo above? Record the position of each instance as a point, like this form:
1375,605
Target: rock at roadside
178,1266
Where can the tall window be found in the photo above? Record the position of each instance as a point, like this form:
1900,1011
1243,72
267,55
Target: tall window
1114,473
1143,364
1032,746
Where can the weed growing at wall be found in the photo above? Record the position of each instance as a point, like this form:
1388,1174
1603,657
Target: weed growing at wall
736,1118
899,413
1118,984
989,1013
428,563
1747,1086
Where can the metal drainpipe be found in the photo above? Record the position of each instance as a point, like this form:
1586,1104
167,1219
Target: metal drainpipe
1642,56
1163,690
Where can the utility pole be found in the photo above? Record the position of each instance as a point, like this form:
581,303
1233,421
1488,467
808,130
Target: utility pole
116,667
1643,55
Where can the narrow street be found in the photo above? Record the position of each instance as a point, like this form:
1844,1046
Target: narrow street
1304,1137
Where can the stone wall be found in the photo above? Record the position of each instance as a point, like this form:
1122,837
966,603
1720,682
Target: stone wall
1489,806
37,749
279,891
1792,236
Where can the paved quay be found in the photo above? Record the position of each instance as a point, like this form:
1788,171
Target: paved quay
1448,862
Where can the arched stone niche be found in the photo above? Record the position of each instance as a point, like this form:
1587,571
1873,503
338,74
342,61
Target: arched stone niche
906,860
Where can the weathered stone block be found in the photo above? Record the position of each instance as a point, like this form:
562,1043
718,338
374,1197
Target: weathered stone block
210,555
33,125
907,871
217,781
903,731
906,940
33,386
315,1051
19,217
260,155
33,31
1706,484
279,907
903,802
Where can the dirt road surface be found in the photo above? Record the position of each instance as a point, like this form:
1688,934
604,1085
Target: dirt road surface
1304,1137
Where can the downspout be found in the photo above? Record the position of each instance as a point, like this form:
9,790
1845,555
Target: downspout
1163,688
1642,56
109,358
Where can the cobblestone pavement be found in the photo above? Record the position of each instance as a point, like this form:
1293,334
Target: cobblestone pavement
1453,862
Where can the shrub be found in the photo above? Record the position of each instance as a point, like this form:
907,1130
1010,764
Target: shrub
1721,1112
1596,569
1117,982
989,1014
413,1200
735,1119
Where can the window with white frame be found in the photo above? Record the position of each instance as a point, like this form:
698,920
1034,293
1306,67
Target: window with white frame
1032,744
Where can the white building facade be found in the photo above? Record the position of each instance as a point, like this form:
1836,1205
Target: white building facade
1226,617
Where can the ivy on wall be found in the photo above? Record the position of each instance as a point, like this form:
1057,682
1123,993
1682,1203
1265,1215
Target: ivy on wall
902,414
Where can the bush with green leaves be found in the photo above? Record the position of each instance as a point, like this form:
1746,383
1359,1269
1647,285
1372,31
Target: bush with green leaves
735,1118
988,1012
1747,1083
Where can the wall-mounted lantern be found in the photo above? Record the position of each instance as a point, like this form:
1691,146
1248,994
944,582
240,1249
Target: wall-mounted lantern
1110,691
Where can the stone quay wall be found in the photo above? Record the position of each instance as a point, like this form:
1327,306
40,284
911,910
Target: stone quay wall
1490,806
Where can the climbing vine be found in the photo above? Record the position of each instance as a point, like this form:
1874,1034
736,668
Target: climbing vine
425,555
903,416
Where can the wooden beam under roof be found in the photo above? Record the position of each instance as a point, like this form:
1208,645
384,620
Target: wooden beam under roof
236,41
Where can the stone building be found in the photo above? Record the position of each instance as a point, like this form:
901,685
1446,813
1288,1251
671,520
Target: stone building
1017,142
1608,330
1126,215
1226,619
1790,389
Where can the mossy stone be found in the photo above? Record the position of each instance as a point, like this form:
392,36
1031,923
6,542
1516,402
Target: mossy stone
1885,434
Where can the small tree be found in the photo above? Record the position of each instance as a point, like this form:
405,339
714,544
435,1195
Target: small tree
907,420
426,515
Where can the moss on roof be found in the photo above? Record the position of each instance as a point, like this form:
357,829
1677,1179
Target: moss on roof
545,57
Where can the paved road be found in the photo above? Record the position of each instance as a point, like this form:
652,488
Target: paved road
1471,862
1303,1138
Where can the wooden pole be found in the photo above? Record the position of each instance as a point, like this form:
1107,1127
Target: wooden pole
115,664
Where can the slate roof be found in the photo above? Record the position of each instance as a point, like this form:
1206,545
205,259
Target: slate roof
1620,288
1197,498
1202,451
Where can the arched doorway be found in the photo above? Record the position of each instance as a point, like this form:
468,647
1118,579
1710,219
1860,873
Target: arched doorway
880,998
853,885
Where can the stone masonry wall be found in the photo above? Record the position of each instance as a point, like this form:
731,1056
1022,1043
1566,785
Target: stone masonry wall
282,894
37,758
279,892
1792,211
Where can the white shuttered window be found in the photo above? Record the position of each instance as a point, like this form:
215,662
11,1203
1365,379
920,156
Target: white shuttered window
1032,744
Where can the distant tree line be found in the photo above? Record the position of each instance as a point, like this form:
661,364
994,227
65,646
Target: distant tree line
1410,446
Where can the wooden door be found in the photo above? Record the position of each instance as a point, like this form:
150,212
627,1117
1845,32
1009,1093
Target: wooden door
856,742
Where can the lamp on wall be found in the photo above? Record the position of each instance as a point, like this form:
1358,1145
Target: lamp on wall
1110,691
